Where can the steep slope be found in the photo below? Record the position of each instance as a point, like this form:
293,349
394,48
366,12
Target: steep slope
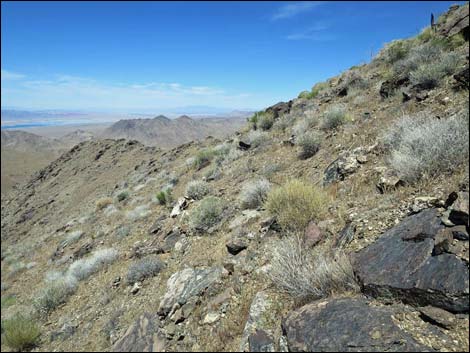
192,269
23,153
163,132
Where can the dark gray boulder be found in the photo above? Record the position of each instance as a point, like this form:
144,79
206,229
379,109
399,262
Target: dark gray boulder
404,264
346,325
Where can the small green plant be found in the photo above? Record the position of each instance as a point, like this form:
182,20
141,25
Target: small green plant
203,158
265,121
305,94
397,50
8,301
317,88
197,189
144,268
296,203
206,214
123,195
20,332
334,117
164,197
309,143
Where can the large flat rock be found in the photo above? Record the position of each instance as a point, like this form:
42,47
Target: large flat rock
403,264
346,325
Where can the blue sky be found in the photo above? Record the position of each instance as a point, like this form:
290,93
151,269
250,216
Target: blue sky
153,56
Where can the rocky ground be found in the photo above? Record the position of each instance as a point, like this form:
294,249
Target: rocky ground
408,243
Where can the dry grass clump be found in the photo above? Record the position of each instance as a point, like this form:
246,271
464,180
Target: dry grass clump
144,268
309,143
103,203
254,193
334,117
83,268
422,146
197,189
296,203
20,332
206,214
54,293
310,273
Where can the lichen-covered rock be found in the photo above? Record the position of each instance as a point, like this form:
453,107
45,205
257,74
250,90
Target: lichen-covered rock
405,265
185,284
144,335
346,325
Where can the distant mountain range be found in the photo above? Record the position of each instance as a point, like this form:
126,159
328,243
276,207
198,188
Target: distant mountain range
164,132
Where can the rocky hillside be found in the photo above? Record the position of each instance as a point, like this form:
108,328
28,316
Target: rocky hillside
163,132
336,221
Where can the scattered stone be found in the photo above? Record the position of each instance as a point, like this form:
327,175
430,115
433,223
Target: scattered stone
179,207
236,245
116,282
183,285
136,287
66,331
157,225
462,78
454,21
401,265
244,146
312,235
256,318
280,109
142,336
346,164
211,318
260,341
438,317
346,325
459,233
459,209
243,219
389,181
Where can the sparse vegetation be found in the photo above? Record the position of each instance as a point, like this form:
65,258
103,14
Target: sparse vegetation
317,88
197,189
397,50
309,144
144,268
103,203
257,138
83,268
310,274
7,301
203,158
123,195
334,117
423,146
265,120
206,214
138,212
54,294
20,332
72,237
164,196
254,193
296,203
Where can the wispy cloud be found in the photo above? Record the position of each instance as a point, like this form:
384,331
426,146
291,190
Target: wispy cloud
317,32
295,8
8,75
65,91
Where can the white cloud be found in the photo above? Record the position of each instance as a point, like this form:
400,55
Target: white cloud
316,33
71,92
8,75
294,9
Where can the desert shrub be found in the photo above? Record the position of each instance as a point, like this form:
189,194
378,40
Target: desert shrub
213,173
20,332
138,212
83,268
427,76
305,94
206,214
296,203
72,237
309,143
123,195
254,193
305,124
423,146
310,273
265,120
104,202
203,158
397,50
7,301
197,189
54,293
144,268
164,196
123,231
334,117
317,88
283,122
448,63
257,138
